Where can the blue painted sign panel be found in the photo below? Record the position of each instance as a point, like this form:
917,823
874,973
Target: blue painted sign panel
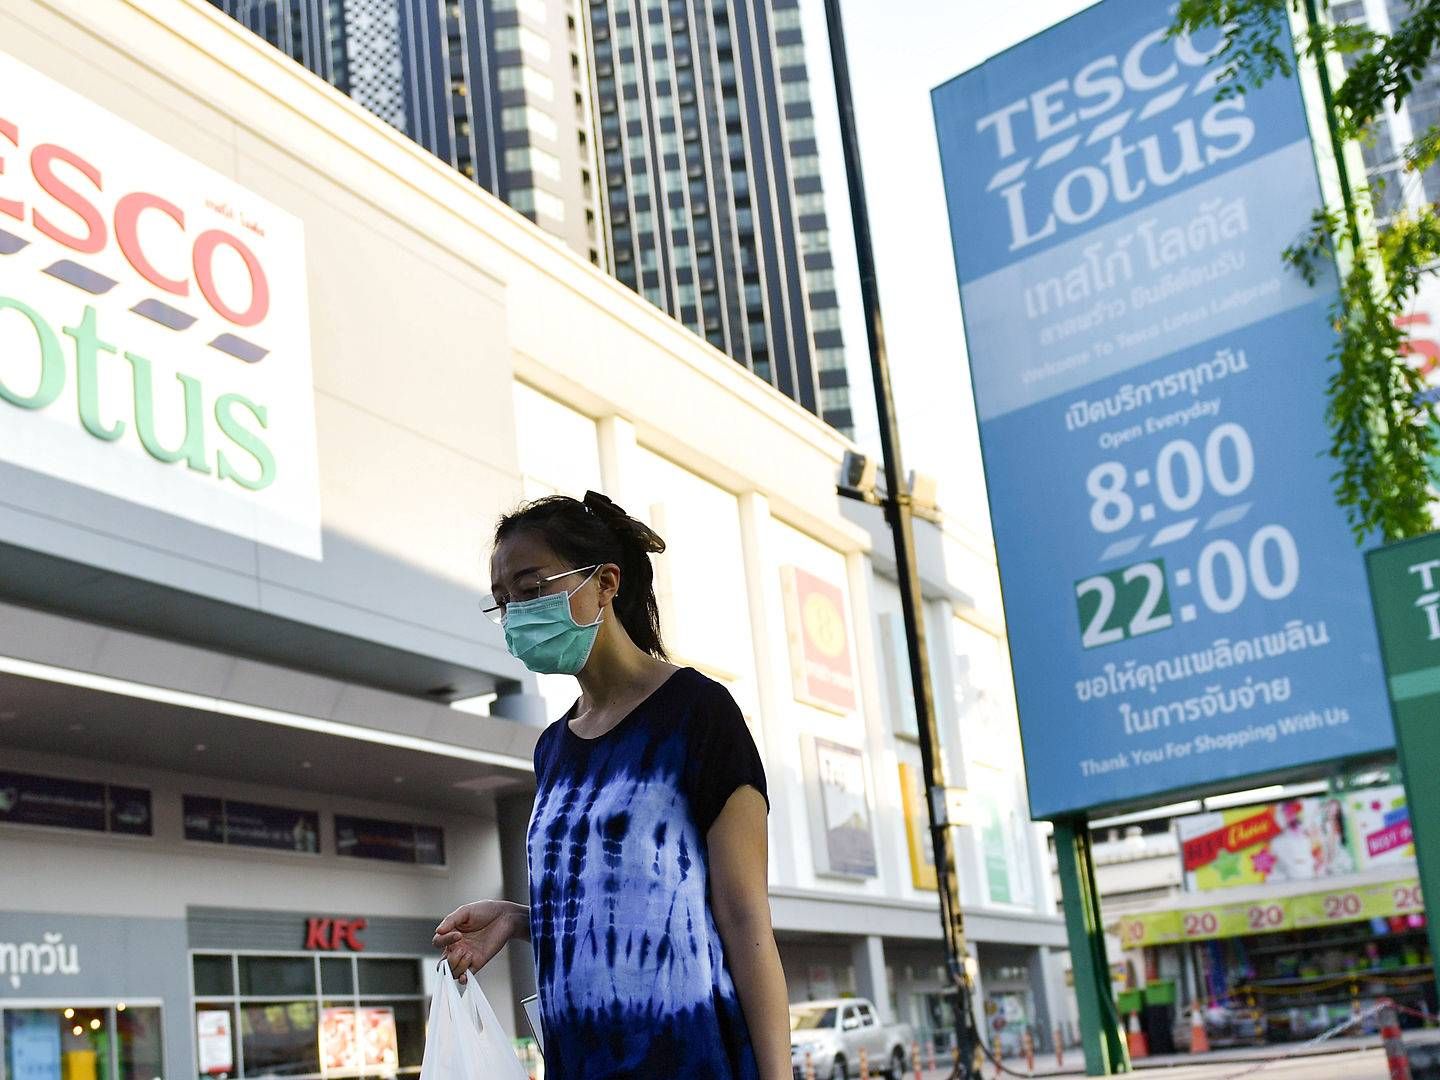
1185,603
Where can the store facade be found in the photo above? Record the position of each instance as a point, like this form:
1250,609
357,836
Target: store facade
1294,915
254,739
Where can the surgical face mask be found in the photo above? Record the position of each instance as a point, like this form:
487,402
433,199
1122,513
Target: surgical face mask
544,636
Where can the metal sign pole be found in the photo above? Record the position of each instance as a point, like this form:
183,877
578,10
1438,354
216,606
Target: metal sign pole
897,506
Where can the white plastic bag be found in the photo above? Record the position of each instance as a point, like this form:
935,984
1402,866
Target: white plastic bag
464,1040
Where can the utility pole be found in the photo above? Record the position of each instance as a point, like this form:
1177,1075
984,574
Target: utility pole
898,512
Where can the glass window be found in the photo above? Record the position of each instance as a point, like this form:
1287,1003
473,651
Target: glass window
225,821
337,975
819,240
389,976
48,1044
531,159
786,19
820,280
139,1039
280,1039
802,127
529,118
789,55
276,976
214,976
73,804
809,165
825,319
792,92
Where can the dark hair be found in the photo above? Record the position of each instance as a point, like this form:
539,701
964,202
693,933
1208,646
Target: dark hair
595,530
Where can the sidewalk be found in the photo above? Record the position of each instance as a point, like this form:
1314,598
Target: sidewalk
1075,1060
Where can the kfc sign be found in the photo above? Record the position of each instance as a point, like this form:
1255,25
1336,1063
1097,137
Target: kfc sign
333,935
154,325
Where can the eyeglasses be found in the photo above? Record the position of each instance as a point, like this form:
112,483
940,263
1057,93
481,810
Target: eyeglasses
493,608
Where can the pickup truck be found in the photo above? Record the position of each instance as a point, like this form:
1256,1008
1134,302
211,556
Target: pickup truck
832,1033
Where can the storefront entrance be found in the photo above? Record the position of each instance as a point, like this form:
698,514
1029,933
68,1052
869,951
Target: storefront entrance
302,1015
81,1040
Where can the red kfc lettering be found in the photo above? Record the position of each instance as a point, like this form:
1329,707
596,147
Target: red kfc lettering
317,934
10,207
127,218
42,162
347,933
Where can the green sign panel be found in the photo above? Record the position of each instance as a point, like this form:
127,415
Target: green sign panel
1405,587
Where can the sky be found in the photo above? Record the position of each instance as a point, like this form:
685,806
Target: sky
899,51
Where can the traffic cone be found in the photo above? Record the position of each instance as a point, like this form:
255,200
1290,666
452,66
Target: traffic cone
915,1057
1395,1055
930,1053
809,1067
864,1064
1059,1047
1027,1047
1199,1041
1135,1039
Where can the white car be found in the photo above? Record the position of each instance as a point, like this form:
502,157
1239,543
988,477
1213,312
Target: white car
832,1034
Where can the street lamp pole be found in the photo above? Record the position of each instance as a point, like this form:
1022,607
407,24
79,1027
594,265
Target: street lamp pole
898,512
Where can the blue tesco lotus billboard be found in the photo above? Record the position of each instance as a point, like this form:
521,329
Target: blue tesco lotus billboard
1185,603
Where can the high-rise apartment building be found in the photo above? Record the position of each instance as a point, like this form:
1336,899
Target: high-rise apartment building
671,141
499,89
712,176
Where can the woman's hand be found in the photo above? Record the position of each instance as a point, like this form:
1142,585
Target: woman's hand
473,935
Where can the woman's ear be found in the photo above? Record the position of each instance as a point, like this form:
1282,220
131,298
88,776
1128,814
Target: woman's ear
608,578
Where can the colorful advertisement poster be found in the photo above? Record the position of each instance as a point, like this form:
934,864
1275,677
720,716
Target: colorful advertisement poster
34,1044
820,664
154,323
358,1040
1296,840
844,811
1185,603
917,828
1379,823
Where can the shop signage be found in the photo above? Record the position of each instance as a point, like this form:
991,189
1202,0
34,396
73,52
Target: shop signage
48,956
1364,902
391,841
1389,899
26,799
819,641
243,824
1295,840
332,935
1192,610
154,325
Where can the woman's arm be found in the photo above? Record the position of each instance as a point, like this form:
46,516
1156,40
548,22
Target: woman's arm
471,936
740,900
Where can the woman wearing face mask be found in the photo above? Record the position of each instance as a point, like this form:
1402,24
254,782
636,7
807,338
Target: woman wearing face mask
649,911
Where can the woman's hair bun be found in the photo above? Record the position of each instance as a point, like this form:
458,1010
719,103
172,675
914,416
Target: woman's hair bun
625,527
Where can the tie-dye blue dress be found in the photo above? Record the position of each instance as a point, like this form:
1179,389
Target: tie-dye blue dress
630,967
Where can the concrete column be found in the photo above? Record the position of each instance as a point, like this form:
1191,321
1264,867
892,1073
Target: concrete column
894,853
762,587
1040,992
512,814
618,471
871,978
521,706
